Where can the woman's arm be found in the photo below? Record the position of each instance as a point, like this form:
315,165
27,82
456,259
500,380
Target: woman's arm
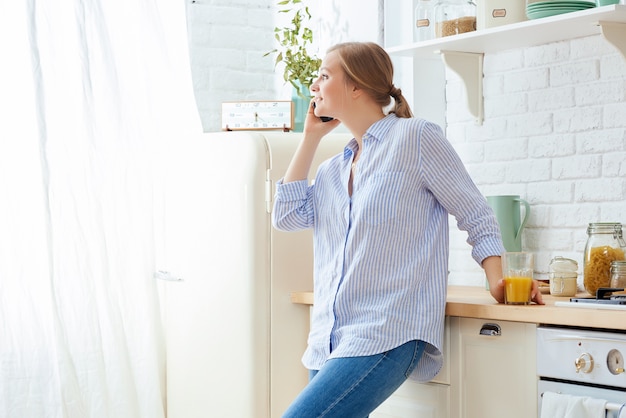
293,207
453,187
314,131
493,271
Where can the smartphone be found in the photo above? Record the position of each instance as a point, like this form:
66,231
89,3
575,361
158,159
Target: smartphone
323,118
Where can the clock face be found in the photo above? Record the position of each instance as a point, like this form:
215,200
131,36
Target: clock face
251,115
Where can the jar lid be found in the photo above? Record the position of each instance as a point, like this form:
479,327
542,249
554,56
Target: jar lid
604,227
562,264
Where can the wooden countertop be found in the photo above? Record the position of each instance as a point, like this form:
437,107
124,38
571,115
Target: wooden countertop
476,302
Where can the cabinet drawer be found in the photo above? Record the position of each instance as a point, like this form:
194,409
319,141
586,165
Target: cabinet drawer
493,371
416,400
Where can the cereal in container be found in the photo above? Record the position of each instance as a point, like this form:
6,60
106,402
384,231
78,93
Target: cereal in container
453,17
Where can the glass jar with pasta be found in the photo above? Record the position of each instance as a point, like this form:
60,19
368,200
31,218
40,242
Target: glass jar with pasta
604,245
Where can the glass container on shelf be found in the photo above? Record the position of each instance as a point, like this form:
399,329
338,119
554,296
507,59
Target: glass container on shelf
605,244
453,17
618,274
563,275
424,28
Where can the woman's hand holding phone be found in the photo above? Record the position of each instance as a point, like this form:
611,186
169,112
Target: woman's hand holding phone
323,118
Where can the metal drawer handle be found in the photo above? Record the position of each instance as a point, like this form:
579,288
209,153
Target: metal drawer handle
493,330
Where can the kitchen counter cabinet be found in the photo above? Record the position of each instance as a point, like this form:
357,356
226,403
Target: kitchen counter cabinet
493,369
416,400
476,302
483,375
422,400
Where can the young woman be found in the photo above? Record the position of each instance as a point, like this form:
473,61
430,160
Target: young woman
379,212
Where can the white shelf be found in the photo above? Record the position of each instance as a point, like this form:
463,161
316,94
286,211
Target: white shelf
520,35
464,53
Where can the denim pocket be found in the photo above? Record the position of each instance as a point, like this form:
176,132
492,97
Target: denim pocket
417,355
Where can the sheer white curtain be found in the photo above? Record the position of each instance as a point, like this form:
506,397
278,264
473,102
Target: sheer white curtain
91,93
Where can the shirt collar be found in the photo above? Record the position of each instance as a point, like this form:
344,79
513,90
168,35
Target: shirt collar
377,132
379,129
350,149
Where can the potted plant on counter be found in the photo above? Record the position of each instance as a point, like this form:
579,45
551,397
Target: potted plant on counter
300,67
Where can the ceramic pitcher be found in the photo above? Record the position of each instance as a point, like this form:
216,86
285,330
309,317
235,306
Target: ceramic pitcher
508,213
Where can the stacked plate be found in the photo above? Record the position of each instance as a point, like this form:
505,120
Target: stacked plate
547,8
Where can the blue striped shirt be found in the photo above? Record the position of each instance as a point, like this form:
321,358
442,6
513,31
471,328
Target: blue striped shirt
381,255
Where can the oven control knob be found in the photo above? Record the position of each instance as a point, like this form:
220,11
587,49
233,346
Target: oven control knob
584,363
615,362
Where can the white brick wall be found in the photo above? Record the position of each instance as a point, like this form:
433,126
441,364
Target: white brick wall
554,133
228,38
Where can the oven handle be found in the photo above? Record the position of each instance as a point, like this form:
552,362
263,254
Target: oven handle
612,406
564,337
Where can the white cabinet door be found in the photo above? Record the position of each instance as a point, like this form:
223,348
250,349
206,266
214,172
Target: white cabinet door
493,375
422,400
416,400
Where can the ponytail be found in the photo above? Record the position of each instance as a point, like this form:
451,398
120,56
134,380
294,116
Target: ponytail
401,107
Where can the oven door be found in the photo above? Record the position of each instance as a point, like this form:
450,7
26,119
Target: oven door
614,397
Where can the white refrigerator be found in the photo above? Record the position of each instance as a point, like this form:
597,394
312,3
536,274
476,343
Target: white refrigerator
233,338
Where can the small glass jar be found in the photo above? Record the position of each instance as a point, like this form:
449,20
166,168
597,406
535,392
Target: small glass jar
618,274
604,245
424,29
453,17
563,276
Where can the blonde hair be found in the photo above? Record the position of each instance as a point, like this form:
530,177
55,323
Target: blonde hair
369,66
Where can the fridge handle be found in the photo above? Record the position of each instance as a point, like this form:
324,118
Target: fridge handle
268,192
167,276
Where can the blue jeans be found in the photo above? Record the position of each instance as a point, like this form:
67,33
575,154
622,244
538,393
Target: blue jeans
353,387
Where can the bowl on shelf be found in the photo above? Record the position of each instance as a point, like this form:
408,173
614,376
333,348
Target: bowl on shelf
540,9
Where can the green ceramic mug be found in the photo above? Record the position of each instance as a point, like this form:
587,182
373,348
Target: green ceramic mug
508,213
606,2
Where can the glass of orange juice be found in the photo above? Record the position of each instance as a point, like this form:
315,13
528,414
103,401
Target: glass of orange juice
517,270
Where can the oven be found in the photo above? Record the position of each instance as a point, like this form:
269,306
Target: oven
583,362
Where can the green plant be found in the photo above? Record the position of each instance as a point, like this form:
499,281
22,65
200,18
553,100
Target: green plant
300,67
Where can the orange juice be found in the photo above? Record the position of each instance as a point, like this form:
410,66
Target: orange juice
517,290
